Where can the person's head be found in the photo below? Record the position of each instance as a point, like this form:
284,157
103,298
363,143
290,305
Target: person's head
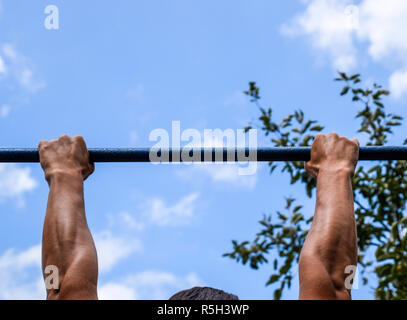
203,293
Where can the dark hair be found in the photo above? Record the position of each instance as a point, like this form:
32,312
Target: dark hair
203,293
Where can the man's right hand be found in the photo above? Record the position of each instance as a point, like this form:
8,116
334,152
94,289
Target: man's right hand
333,153
65,155
331,243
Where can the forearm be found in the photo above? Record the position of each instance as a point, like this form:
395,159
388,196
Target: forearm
334,223
331,244
67,241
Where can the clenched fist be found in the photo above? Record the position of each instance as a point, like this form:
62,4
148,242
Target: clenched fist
65,155
333,153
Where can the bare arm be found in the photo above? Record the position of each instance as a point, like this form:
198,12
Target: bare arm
67,242
331,244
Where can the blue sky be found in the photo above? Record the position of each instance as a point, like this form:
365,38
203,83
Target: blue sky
116,70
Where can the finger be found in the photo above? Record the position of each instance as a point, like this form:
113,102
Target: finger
80,142
42,144
356,141
64,139
92,167
319,136
333,135
78,138
64,136
308,166
310,169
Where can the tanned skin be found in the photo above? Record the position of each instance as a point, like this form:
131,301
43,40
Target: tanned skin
331,244
67,242
328,249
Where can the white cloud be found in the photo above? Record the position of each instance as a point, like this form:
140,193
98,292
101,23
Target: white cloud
116,291
326,23
17,67
112,249
227,173
4,111
21,278
20,274
383,24
125,219
343,33
151,285
15,181
161,285
19,261
398,83
163,214
10,52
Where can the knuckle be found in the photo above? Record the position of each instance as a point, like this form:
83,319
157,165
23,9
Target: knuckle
78,137
42,144
64,137
351,142
319,135
356,142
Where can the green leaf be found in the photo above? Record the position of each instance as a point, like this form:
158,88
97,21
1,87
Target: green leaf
317,128
274,278
345,90
277,294
354,76
343,76
379,104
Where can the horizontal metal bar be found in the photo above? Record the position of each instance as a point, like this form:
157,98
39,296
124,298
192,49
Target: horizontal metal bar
207,154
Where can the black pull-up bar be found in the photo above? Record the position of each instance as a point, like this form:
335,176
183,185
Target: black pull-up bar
207,154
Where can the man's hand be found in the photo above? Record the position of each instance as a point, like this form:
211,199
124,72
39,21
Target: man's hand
67,242
331,244
65,155
332,153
